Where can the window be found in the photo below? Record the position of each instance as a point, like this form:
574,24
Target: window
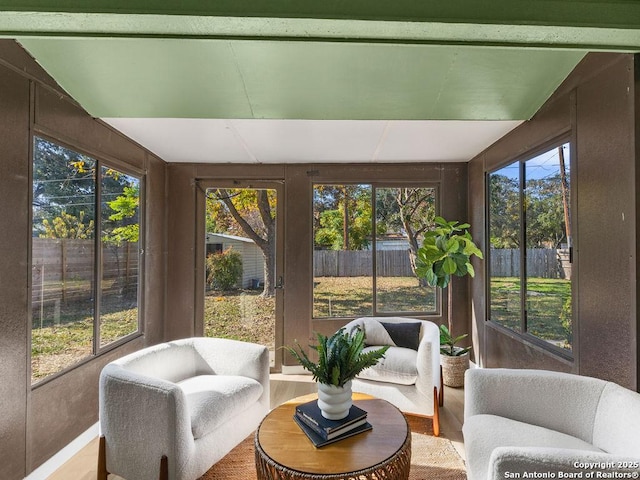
365,239
530,287
85,257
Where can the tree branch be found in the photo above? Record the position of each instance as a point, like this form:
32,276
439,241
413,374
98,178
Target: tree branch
223,195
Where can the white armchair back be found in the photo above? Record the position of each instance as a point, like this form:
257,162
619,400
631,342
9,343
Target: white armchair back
145,414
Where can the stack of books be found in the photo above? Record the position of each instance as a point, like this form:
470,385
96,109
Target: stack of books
322,431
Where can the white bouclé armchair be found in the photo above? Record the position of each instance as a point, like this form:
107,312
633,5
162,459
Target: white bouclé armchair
173,410
409,376
542,424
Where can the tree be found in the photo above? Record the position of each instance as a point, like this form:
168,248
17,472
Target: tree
250,212
409,212
67,226
63,181
543,205
545,213
124,225
504,211
342,217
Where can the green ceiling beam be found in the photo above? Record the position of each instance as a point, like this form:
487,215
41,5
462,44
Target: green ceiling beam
580,13
586,24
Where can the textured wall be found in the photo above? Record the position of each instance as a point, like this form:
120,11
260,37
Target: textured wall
14,272
596,107
606,209
36,422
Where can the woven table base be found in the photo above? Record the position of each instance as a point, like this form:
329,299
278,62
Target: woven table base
396,467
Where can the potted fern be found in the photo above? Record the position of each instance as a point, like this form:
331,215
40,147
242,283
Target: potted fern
340,360
446,252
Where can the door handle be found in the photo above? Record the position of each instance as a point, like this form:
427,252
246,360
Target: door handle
280,284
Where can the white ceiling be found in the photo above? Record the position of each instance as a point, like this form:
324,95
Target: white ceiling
302,141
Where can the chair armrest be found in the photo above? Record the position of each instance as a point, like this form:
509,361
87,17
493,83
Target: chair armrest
560,401
143,417
513,462
428,361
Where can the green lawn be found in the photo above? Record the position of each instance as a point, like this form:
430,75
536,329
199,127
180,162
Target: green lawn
548,304
61,345
352,296
246,315
240,315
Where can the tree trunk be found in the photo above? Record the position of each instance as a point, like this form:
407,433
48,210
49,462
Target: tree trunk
450,307
269,271
267,245
406,212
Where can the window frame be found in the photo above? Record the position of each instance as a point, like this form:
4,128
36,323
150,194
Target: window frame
522,334
375,185
101,161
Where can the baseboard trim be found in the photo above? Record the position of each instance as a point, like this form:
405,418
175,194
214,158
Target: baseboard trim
294,370
54,463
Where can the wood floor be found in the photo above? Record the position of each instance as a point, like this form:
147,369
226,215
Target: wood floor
283,387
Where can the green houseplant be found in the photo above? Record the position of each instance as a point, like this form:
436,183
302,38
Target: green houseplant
340,360
446,252
448,343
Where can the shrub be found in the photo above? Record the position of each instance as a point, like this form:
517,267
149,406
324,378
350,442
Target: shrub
565,320
224,270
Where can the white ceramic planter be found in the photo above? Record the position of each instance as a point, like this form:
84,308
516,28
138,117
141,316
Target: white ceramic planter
334,402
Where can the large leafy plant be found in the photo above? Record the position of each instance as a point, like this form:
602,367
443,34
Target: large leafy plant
446,251
340,357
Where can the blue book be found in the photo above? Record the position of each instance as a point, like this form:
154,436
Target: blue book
319,441
309,413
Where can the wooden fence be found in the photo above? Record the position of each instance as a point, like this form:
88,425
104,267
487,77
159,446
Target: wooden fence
64,268
541,262
359,263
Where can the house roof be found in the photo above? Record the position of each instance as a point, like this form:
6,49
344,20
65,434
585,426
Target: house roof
223,236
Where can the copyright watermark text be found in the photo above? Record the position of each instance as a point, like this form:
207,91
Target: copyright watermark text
588,471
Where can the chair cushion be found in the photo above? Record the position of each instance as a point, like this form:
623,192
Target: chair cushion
395,334
399,366
405,335
213,399
483,433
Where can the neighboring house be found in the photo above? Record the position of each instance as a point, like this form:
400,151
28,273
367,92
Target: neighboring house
252,258
392,242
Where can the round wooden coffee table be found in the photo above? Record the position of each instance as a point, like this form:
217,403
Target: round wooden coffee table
283,451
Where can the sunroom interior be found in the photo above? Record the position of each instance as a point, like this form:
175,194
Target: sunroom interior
179,99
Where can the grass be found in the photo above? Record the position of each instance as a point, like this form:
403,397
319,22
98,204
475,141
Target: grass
240,315
352,296
246,315
67,333
545,301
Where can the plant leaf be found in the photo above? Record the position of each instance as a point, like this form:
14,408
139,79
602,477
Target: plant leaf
470,269
449,266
